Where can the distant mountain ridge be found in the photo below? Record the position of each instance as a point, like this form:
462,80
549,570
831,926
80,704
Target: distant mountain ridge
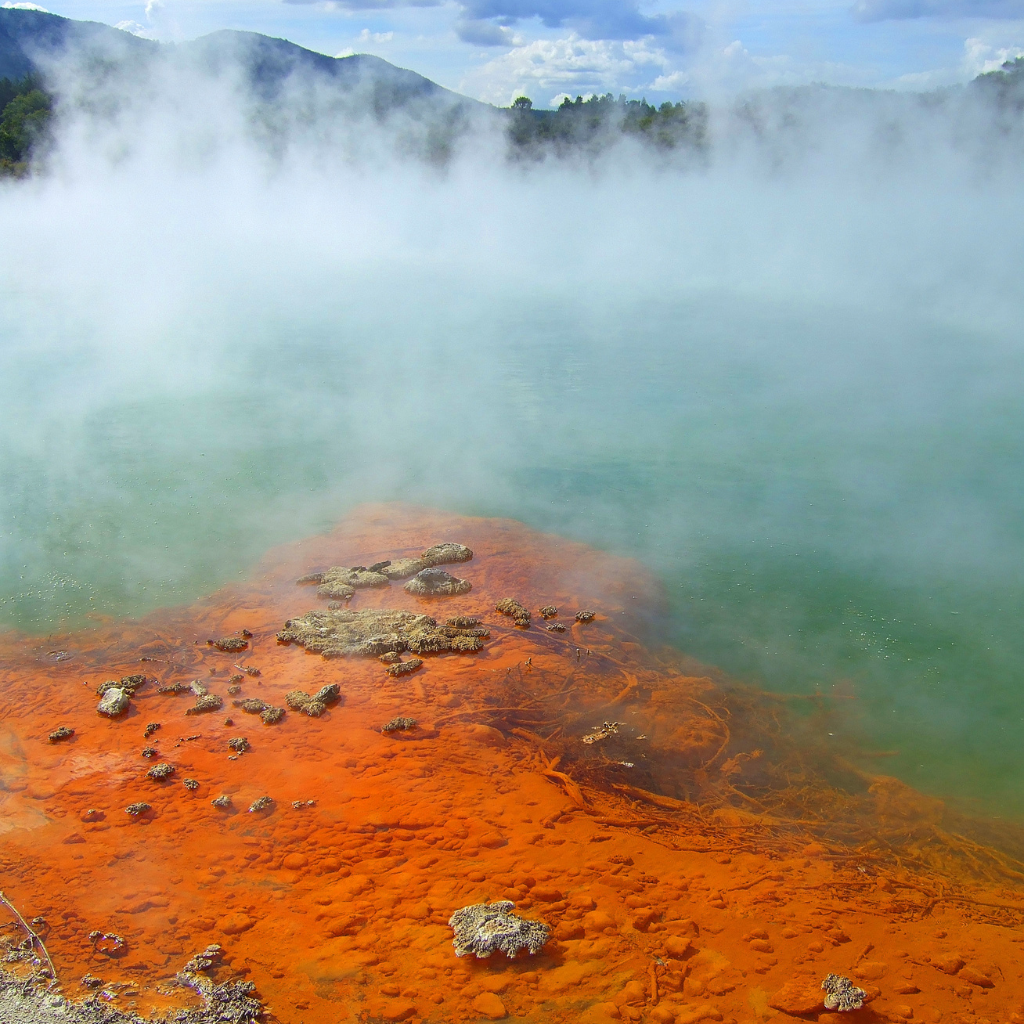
31,42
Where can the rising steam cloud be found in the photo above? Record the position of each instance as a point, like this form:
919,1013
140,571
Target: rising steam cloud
227,323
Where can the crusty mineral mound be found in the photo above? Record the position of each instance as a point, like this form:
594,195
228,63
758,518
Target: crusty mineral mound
841,993
511,607
485,927
403,568
437,583
447,554
339,632
341,583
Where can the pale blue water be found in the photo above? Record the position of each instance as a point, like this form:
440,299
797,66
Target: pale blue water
832,498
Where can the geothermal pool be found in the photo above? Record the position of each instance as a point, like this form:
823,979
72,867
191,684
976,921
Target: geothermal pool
829,495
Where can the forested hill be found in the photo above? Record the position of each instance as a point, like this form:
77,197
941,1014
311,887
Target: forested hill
37,43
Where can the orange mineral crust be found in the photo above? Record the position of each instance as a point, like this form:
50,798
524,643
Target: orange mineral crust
698,854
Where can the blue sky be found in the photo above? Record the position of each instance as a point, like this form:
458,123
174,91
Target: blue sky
497,49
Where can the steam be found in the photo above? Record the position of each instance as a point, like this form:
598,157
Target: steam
785,372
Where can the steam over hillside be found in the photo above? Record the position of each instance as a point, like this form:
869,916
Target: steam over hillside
240,87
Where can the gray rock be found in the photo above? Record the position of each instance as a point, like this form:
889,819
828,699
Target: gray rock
485,927
113,702
437,583
446,554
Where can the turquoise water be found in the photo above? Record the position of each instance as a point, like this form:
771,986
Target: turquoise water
832,497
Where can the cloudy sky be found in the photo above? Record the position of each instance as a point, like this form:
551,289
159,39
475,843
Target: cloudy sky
661,49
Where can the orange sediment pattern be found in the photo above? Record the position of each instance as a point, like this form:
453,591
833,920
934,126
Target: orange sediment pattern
701,859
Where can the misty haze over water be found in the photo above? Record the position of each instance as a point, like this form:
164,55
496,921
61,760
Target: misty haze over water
784,372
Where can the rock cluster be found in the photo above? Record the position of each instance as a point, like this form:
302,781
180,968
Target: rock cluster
341,583
485,927
230,1000
315,706
254,706
511,607
116,694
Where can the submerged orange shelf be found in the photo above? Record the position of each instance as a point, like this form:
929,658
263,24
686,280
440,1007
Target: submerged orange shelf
704,858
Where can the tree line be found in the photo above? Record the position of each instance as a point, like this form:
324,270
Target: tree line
26,110
593,123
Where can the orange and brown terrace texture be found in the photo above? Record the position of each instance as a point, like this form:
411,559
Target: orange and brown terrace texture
702,857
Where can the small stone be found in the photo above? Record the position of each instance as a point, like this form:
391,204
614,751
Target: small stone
230,644
870,970
948,964
222,803
390,657
252,705
399,724
239,744
490,1006
113,703
975,977
271,716
296,699
404,668
60,734
137,808
261,804
235,923
555,627
149,751
191,784
549,611
175,688
798,998
150,729
329,694
585,616
159,772
205,703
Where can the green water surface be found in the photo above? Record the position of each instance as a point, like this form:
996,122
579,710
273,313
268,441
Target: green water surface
832,499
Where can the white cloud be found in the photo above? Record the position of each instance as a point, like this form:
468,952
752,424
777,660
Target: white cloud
153,8
366,36
553,68
23,7
131,27
979,56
